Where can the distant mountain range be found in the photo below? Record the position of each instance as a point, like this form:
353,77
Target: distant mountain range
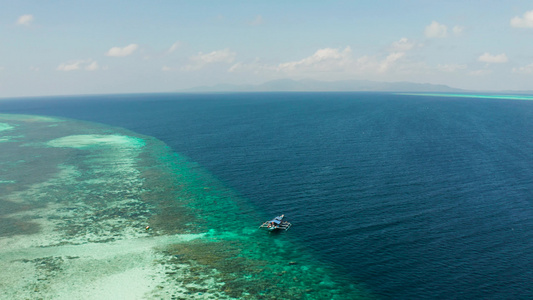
307,85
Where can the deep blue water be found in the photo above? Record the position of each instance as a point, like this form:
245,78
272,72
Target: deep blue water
414,196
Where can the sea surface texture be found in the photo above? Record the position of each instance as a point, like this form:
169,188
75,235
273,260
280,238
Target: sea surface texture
391,196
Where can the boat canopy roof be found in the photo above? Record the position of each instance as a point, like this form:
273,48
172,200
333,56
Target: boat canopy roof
276,221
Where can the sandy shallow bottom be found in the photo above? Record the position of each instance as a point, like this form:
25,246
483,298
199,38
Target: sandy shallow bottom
78,231
126,269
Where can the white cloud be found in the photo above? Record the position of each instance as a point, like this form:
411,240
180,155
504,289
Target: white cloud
480,72
257,21
342,61
526,21
402,45
389,60
254,67
489,58
166,68
25,20
326,59
436,30
87,64
451,67
71,66
238,66
458,30
524,70
201,60
120,52
93,66
174,47
329,63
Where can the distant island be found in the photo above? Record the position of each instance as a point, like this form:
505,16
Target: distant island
308,85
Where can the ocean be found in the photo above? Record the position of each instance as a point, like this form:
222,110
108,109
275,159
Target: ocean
391,196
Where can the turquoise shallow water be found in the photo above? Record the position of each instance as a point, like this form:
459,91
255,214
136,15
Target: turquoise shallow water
474,96
77,197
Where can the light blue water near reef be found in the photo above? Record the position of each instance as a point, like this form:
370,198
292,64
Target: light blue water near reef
408,196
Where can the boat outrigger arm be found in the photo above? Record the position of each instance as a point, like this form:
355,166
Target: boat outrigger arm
276,224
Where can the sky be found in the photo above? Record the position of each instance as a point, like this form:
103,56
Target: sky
99,47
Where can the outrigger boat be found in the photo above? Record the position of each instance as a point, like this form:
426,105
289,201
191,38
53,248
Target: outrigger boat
276,224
